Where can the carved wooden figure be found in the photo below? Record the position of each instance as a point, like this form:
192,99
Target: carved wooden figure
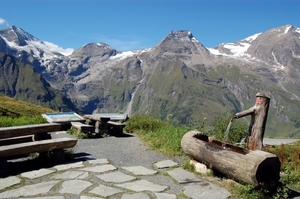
259,114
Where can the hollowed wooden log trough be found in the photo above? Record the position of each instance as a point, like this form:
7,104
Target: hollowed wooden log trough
254,167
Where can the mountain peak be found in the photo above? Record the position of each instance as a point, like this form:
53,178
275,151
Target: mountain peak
95,49
17,35
179,38
184,43
282,30
182,36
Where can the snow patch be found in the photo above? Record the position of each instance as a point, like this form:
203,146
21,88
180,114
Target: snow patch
252,38
123,55
280,66
216,52
287,29
237,49
126,54
37,47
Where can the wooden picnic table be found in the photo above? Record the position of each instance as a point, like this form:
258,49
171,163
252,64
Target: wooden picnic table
104,121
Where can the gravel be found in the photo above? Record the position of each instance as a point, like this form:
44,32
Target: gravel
128,150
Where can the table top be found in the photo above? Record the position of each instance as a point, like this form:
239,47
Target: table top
63,117
111,116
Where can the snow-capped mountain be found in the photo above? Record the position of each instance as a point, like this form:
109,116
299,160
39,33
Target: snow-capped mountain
178,76
22,45
275,46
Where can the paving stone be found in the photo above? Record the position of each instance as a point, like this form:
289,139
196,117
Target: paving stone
135,196
116,177
74,186
165,196
165,164
37,173
100,168
140,170
105,191
205,190
183,176
98,161
46,197
9,181
142,185
30,190
68,166
68,175
88,197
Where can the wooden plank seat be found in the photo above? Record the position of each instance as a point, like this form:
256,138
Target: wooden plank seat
23,140
15,131
115,128
36,146
16,140
83,127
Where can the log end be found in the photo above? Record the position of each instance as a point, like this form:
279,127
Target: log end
268,173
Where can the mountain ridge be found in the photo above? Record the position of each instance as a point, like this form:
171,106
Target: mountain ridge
181,77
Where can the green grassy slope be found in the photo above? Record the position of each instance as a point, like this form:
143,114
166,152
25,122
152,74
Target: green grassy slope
15,108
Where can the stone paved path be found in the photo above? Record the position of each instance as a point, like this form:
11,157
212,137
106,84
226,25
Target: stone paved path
99,178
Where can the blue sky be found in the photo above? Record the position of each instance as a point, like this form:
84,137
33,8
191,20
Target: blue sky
135,24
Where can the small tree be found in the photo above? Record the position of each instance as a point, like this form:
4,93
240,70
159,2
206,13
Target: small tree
237,131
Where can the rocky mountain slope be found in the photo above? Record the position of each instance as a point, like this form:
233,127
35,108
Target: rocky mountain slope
20,81
179,78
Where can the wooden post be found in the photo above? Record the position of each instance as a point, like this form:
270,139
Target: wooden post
259,114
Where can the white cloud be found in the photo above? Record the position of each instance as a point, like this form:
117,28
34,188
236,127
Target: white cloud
3,22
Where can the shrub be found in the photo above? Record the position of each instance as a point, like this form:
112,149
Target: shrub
237,131
159,135
289,156
143,123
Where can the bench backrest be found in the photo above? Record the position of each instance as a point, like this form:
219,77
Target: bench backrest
16,131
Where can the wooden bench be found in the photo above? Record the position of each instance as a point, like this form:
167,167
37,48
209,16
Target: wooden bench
24,140
115,128
83,127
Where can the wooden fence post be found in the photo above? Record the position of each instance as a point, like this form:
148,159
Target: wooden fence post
259,114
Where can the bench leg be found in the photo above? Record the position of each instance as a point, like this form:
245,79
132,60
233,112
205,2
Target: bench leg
58,155
3,167
41,136
115,130
97,127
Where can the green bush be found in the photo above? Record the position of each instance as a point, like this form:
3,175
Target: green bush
159,135
77,133
143,123
237,131
289,156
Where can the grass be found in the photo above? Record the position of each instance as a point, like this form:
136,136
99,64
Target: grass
6,121
77,133
289,156
16,108
166,138
159,135
16,113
